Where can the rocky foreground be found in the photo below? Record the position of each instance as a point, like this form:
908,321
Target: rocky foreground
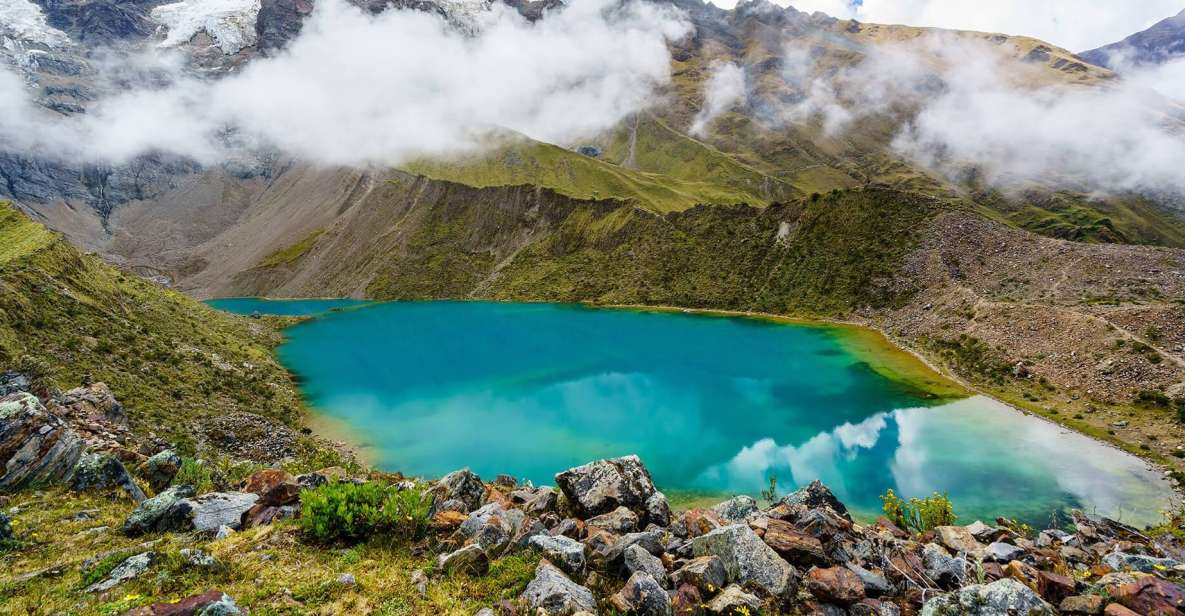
604,538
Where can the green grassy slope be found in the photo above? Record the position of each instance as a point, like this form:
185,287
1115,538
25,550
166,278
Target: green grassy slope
520,161
168,358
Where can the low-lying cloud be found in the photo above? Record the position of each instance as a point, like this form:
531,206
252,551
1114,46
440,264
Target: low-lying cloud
964,104
356,89
724,89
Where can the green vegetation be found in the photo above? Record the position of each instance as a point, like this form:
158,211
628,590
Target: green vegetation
973,357
344,511
1087,218
168,358
293,253
919,514
520,161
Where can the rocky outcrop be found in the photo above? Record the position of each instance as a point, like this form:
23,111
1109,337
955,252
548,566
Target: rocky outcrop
103,472
601,487
168,511
554,594
35,446
93,403
160,469
1000,598
747,559
461,489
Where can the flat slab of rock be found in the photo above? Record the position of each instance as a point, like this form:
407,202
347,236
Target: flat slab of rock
471,560
216,509
747,559
552,592
132,568
565,552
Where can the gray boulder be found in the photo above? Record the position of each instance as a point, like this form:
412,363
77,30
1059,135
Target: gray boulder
734,600
1006,597
36,447
160,469
706,573
555,594
815,496
875,584
462,485
619,521
216,509
1002,552
129,569
169,511
471,560
103,472
747,559
642,596
637,559
737,508
13,382
658,510
1122,561
565,552
941,567
600,487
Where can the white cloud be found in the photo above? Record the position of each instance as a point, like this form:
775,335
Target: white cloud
963,104
1077,25
724,88
360,89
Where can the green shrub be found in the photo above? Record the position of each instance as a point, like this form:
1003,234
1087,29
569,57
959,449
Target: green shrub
352,512
919,514
195,473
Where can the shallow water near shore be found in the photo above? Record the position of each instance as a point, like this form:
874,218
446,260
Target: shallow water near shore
712,405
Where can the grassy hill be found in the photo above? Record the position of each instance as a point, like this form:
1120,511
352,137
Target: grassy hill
168,358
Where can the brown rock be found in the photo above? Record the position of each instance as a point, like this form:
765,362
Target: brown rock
1092,605
886,525
185,607
1151,596
796,547
274,486
1118,610
1054,587
959,540
447,521
1025,574
835,585
705,573
687,601
701,522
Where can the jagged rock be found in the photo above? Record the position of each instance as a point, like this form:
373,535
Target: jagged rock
168,511
13,382
462,485
1002,552
733,601
794,546
1023,573
543,501
618,521
1116,609
275,487
658,510
1121,561
199,558
642,596
1091,605
636,559
103,472
160,469
941,567
210,511
816,495
470,559
613,556
705,573
212,603
687,600
602,486
1006,597
93,403
982,532
552,592
875,584
747,559
566,553
696,522
132,568
309,481
35,446
1054,586
447,520
835,585
822,524
737,508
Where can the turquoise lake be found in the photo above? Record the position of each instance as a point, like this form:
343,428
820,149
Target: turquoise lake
712,405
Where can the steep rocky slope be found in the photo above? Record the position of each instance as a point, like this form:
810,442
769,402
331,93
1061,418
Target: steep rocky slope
1162,42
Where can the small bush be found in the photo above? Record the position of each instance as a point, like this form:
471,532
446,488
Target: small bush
195,473
352,512
919,514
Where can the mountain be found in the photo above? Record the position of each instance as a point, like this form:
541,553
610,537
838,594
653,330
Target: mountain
1162,42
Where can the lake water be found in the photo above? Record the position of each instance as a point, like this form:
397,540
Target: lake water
712,405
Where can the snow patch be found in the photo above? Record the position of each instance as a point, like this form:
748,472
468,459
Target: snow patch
231,23
21,21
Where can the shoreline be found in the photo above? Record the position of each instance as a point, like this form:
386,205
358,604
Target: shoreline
338,432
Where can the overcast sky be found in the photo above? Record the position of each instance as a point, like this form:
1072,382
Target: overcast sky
1077,25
